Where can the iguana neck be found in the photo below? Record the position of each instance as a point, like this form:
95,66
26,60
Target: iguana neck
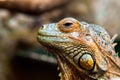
68,72
113,69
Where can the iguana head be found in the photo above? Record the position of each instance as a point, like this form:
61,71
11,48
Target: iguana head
80,48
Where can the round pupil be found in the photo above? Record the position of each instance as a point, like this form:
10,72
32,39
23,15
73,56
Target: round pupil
67,24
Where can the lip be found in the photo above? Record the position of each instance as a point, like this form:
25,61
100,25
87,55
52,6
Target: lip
53,38
47,35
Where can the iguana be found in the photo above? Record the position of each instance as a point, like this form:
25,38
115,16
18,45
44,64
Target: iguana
83,51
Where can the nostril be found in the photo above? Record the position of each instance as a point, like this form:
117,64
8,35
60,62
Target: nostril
41,27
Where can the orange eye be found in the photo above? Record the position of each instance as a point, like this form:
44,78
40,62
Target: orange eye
69,25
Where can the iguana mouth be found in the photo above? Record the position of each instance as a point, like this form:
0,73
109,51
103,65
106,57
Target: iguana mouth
42,35
46,35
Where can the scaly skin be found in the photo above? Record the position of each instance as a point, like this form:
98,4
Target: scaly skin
84,51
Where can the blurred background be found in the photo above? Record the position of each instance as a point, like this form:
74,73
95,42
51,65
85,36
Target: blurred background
21,56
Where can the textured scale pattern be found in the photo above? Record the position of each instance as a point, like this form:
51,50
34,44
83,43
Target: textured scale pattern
83,51
102,38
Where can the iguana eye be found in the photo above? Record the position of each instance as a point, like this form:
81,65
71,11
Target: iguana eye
69,25
86,61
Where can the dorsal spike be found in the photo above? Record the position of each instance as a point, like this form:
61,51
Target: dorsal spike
114,44
114,37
